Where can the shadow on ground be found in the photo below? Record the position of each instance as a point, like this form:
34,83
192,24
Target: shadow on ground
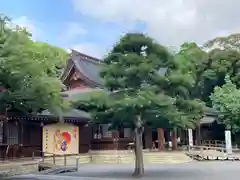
187,171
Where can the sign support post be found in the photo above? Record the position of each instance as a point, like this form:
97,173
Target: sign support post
228,141
190,138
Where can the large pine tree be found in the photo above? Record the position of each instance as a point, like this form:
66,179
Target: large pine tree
140,74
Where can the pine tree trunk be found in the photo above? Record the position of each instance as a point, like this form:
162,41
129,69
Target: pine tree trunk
139,167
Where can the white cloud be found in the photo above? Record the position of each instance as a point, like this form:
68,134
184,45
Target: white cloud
73,30
90,49
170,22
30,25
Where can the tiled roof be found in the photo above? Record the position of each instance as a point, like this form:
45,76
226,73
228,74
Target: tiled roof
91,67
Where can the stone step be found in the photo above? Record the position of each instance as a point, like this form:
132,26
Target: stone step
147,159
121,158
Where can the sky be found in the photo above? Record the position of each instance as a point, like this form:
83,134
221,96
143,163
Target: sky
94,26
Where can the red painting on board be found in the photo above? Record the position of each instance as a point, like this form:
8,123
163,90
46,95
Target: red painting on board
62,140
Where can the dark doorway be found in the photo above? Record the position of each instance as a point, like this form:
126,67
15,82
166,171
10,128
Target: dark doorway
143,141
155,137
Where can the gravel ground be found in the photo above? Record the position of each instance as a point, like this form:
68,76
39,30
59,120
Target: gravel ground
221,170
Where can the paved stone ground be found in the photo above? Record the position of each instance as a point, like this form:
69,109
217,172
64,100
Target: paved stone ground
221,170
187,171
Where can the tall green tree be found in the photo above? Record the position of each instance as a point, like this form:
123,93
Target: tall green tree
206,70
217,72
226,100
138,92
27,85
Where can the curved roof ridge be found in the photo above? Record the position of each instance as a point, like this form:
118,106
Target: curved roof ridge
86,57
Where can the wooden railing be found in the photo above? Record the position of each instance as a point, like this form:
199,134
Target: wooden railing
45,155
213,143
207,148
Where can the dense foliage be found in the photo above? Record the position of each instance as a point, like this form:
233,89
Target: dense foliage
28,72
144,78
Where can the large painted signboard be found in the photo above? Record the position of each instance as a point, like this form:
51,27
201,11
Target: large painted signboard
60,139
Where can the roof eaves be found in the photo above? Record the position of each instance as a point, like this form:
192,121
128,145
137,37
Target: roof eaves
208,120
73,113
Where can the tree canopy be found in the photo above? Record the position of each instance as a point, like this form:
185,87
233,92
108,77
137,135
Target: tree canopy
52,59
28,72
204,70
230,42
133,71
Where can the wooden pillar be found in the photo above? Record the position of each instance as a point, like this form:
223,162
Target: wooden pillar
115,136
174,139
198,135
19,132
85,137
89,132
161,139
21,148
22,133
148,137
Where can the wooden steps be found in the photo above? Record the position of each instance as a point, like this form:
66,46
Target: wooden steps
166,157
